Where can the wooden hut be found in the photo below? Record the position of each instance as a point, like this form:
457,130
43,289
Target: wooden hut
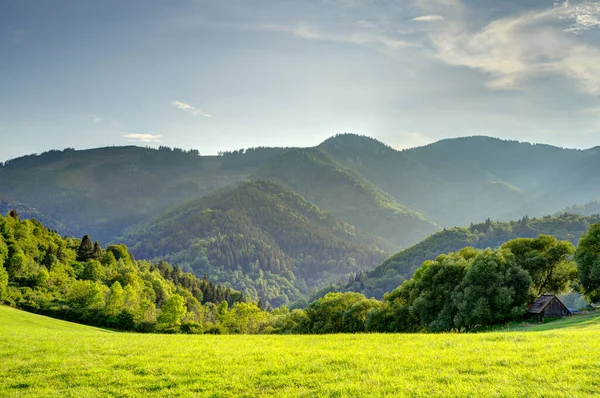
548,305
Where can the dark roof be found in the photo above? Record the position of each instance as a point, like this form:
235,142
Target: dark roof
541,303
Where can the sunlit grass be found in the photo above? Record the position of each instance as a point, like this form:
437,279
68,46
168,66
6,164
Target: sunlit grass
44,357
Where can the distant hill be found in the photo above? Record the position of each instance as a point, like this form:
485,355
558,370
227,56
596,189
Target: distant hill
340,190
402,265
26,212
262,238
107,190
392,199
463,180
589,209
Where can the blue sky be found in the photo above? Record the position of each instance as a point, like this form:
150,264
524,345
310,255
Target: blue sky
218,75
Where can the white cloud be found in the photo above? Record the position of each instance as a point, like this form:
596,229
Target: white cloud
95,118
428,18
137,137
189,109
586,16
360,36
530,45
365,33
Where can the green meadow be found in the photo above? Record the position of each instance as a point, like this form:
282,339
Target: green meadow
41,356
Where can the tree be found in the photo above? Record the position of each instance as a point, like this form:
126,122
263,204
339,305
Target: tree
116,299
429,292
587,257
245,318
3,283
85,251
87,295
493,289
548,262
130,298
93,271
171,313
97,251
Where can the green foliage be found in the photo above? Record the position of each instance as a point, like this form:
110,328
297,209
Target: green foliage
116,299
69,189
402,265
548,262
338,188
265,240
85,251
3,283
43,275
171,313
333,313
588,263
494,289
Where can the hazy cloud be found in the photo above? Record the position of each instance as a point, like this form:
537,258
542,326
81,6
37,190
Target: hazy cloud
428,18
366,33
189,109
412,140
137,137
95,118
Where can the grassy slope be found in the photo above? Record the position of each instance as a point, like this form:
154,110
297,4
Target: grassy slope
53,358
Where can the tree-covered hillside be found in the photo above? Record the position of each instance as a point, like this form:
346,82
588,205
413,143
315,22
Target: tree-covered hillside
400,196
588,209
401,266
341,191
78,280
464,180
107,190
265,240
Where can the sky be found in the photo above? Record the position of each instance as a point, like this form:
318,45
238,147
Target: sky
226,74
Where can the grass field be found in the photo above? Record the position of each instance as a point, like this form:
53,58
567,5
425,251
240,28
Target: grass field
40,356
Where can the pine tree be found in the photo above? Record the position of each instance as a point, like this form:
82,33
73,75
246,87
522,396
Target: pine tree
97,252
85,251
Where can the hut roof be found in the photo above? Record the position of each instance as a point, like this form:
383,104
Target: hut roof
541,303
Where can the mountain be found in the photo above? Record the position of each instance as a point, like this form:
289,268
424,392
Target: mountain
264,239
402,265
107,190
337,188
463,180
390,199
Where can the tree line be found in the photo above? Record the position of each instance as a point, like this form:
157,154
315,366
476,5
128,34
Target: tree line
77,279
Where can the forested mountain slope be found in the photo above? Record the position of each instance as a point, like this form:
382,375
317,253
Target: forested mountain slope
265,240
463,180
401,196
107,190
401,266
341,191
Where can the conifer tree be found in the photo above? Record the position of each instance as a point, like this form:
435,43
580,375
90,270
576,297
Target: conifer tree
13,213
85,251
97,251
